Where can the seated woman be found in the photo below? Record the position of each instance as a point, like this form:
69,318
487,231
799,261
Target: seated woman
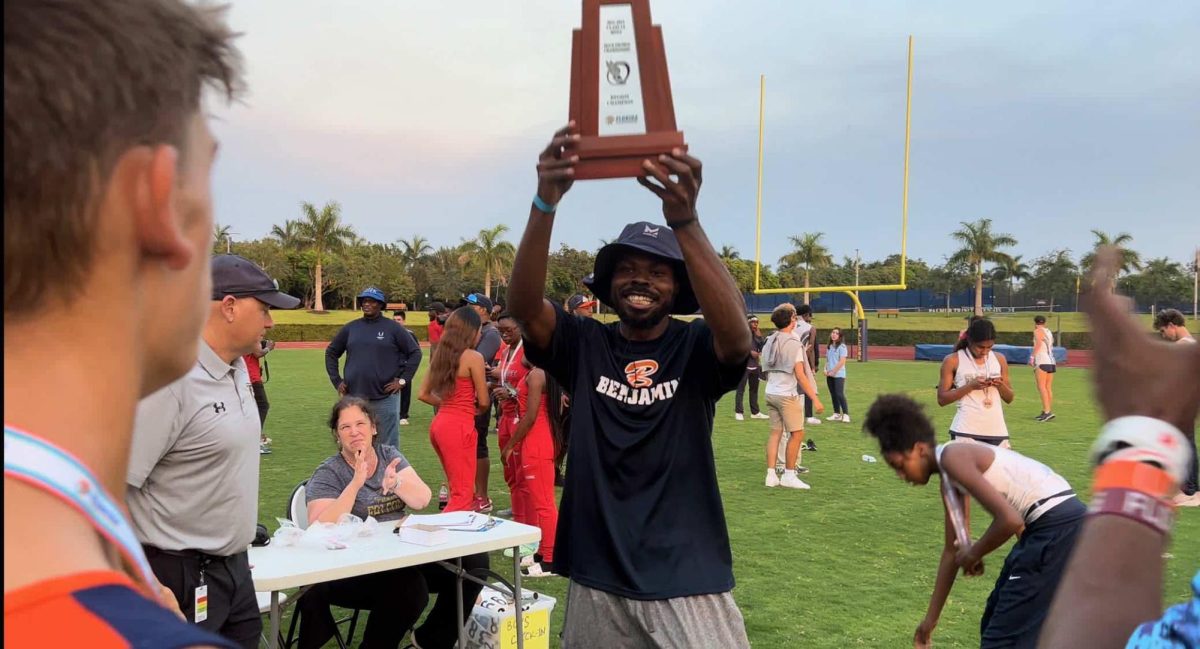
368,478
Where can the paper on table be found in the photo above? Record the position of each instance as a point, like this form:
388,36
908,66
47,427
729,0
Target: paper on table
459,521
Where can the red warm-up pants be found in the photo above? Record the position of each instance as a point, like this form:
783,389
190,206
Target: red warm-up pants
512,469
453,438
536,484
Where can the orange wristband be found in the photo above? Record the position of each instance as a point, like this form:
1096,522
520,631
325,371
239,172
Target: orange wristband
1133,476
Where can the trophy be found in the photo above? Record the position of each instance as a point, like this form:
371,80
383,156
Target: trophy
620,91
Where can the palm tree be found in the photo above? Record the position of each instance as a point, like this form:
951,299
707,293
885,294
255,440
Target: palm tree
414,249
809,254
1011,270
288,234
222,238
980,246
489,252
1130,259
729,253
322,232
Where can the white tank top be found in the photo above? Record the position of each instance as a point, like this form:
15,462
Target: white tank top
973,417
1045,356
1032,488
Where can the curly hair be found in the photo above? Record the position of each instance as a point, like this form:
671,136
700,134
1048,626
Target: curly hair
898,423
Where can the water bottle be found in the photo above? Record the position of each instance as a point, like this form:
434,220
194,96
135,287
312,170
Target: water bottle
443,497
869,458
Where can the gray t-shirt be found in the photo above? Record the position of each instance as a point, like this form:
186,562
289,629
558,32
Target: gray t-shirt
193,463
334,474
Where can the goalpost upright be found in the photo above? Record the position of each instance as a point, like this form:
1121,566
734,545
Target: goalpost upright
851,291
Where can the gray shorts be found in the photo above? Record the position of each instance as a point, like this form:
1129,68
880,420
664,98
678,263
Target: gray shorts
598,619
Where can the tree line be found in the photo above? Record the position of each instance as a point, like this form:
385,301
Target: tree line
321,259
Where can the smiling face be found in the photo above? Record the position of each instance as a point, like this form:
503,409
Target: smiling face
914,466
354,429
643,290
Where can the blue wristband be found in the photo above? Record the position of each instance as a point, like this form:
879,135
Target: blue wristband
543,205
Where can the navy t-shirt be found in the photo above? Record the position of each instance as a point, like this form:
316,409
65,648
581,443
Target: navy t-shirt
641,515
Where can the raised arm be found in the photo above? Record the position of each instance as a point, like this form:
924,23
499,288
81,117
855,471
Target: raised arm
526,301
1114,580
720,300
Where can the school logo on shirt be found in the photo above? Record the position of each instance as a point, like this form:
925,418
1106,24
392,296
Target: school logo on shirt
638,373
638,389
379,336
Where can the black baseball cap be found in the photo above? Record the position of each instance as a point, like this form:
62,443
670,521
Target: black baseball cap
438,307
479,299
237,276
656,240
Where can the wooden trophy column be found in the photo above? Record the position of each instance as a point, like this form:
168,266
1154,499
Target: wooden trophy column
620,90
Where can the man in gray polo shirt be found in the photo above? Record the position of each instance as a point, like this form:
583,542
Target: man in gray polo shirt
193,470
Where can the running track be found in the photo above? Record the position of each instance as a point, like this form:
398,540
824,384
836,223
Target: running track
1075,357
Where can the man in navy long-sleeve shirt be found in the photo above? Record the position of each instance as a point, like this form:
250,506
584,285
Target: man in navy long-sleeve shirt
381,358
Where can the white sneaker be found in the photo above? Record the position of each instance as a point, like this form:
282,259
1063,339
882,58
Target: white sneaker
527,561
760,415
790,480
403,422
738,416
845,419
834,417
772,479
1182,500
813,420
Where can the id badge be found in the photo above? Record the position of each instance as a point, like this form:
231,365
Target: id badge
201,607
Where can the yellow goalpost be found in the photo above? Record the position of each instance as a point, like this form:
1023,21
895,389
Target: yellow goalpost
851,291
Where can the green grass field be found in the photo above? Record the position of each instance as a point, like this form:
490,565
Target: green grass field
849,563
906,321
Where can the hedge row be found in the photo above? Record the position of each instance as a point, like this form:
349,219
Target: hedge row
324,332
883,337
906,338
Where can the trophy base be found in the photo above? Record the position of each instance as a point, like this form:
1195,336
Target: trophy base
621,156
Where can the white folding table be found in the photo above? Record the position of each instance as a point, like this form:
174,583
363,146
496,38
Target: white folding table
278,567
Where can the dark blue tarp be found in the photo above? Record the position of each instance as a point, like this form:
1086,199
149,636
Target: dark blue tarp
1014,355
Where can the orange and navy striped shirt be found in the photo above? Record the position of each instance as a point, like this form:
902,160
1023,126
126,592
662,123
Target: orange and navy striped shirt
100,609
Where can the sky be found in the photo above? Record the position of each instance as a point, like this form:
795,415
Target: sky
1051,118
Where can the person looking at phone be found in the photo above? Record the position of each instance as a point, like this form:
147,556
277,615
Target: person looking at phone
976,378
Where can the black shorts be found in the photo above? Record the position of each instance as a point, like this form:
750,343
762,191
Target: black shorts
481,431
1021,598
1049,369
994,441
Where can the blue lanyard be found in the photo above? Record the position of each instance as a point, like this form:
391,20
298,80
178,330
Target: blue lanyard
39,463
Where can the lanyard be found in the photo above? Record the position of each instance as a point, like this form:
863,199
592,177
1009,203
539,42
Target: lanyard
507,362
40,464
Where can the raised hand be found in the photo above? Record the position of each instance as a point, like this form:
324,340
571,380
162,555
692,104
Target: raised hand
1167,375
391,479
361,469
678,196
556,165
